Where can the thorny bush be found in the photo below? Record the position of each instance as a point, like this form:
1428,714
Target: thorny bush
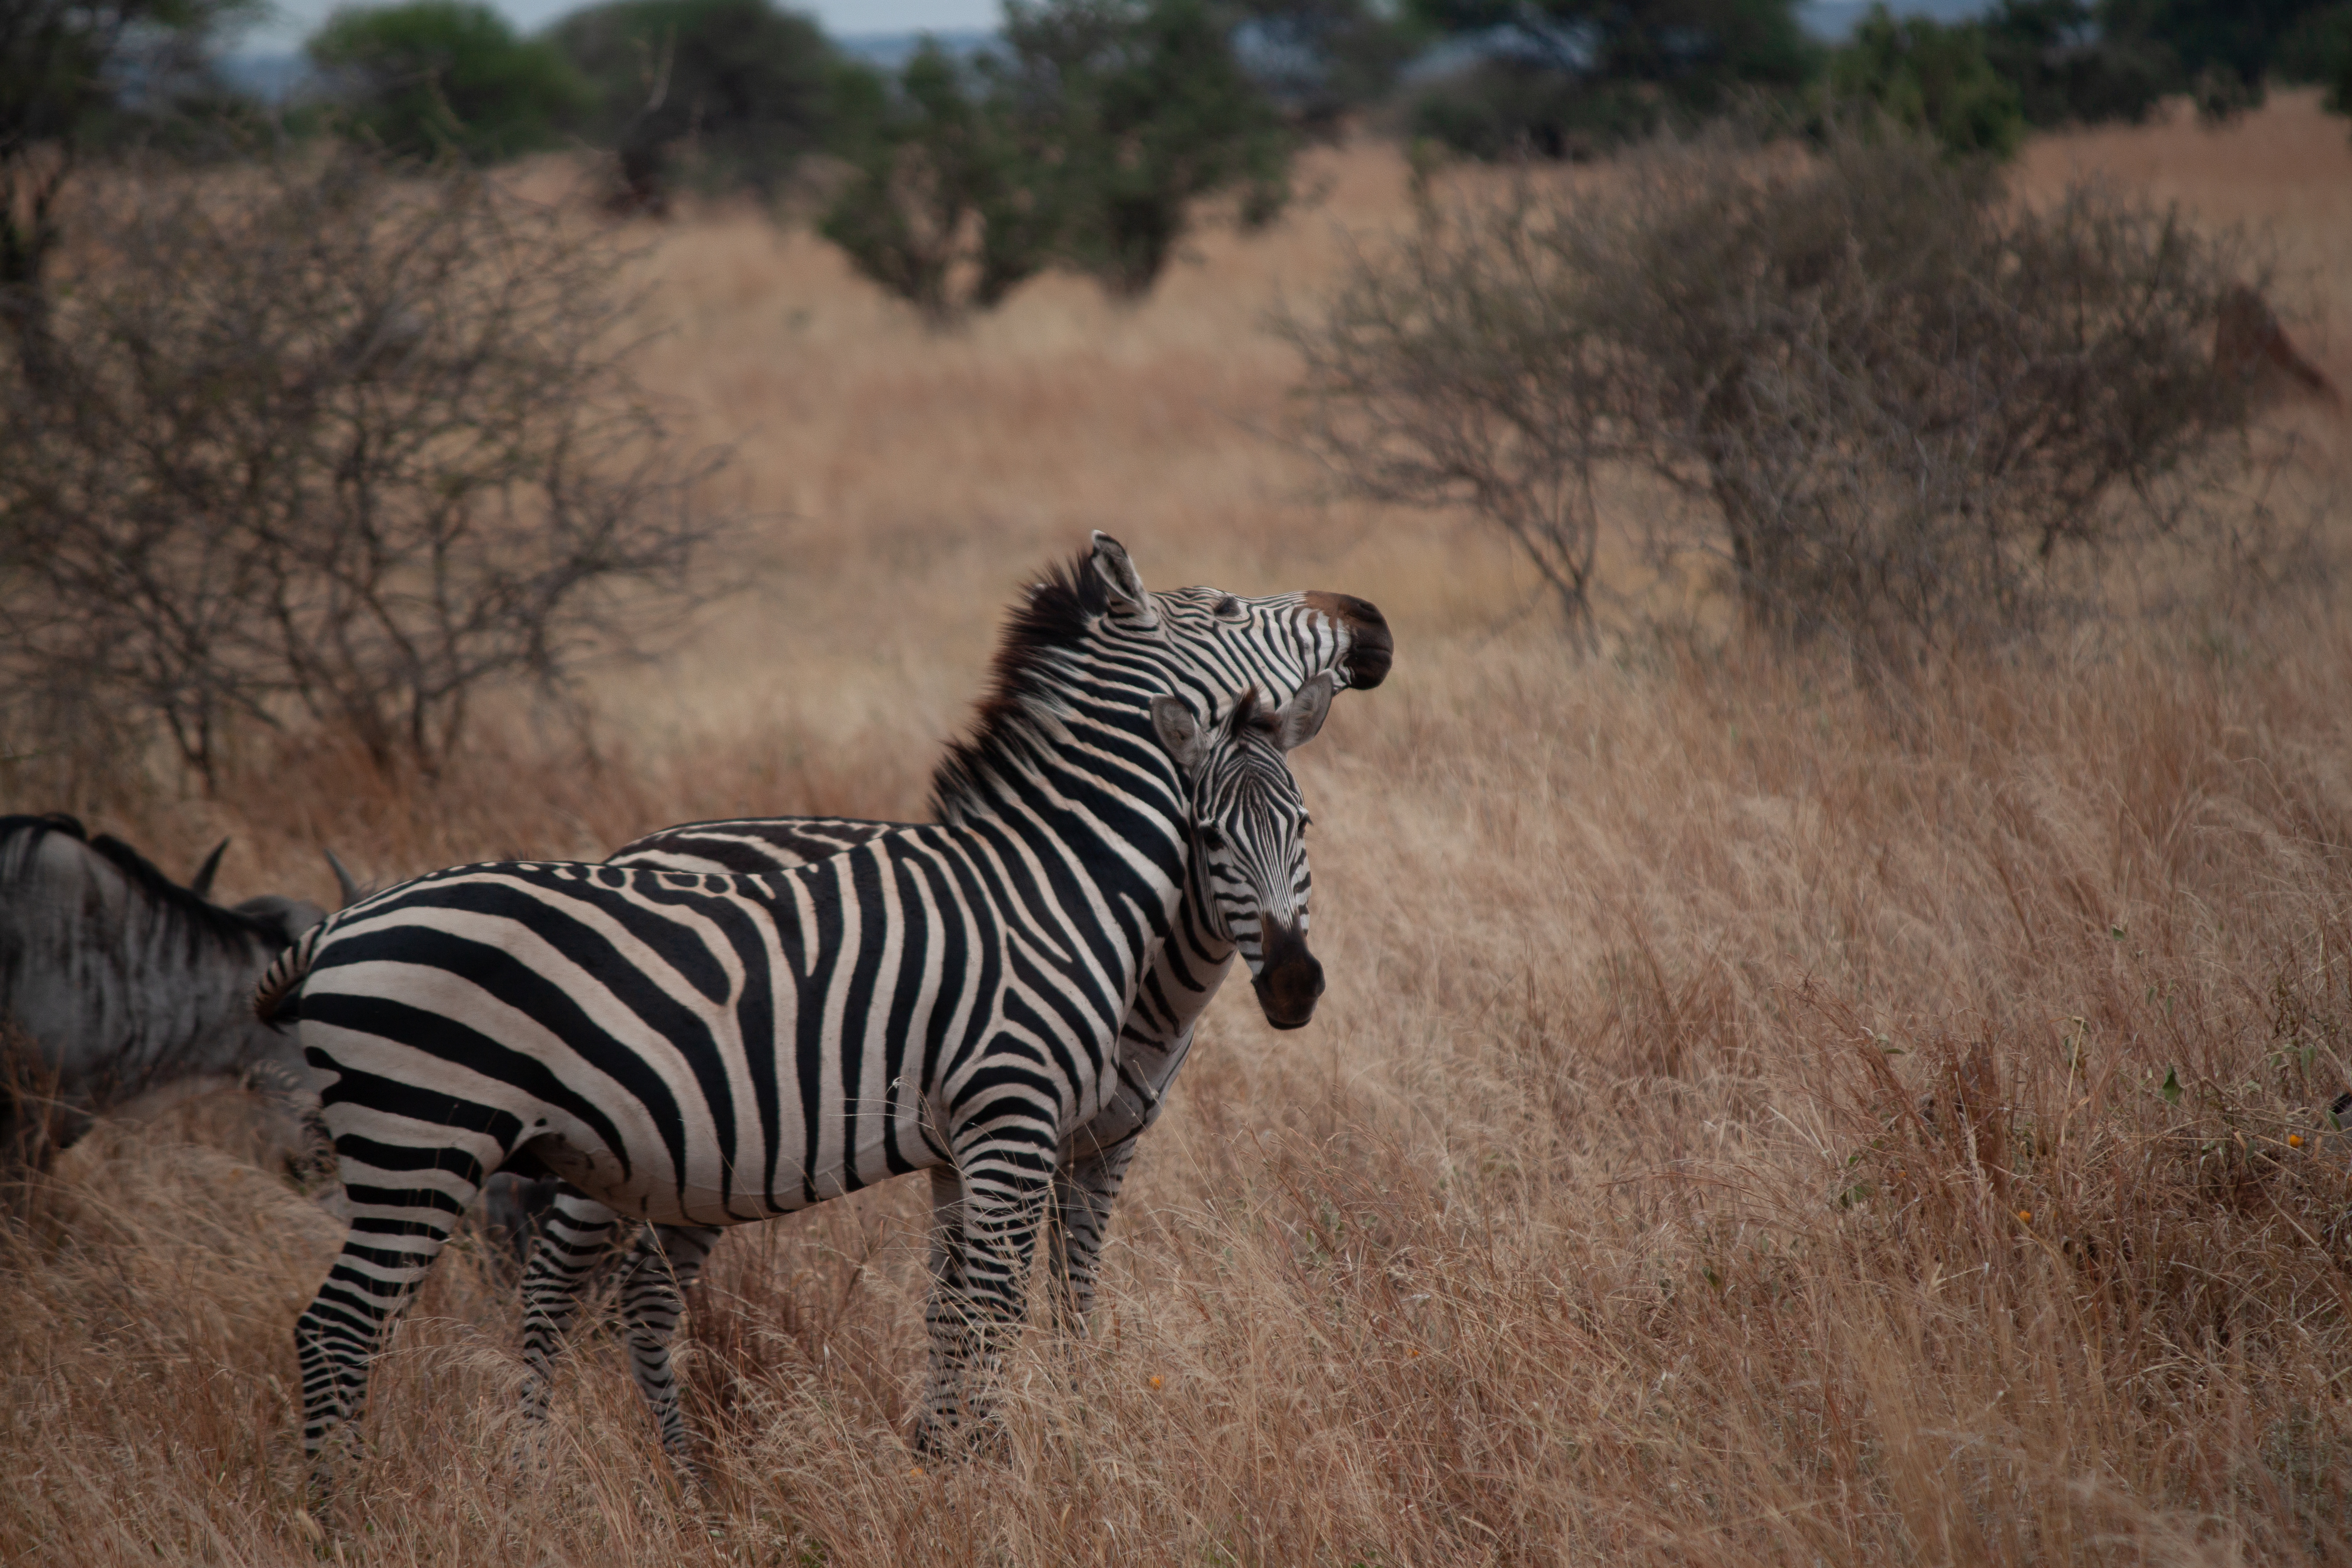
342,441
1901,409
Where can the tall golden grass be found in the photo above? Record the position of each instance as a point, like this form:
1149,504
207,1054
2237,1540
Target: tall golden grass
1755,1119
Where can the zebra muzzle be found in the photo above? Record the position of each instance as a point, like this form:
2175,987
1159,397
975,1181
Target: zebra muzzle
1290,983
1372,644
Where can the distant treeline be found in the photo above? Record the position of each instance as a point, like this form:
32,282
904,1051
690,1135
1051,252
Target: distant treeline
751,87
1092,134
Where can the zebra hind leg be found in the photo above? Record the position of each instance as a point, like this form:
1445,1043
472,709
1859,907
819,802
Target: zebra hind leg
395,1235
574,1236
661,1269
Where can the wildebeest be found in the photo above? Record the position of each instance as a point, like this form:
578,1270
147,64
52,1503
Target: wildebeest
115,980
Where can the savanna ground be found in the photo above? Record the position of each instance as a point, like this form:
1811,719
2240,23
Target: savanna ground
1755,1118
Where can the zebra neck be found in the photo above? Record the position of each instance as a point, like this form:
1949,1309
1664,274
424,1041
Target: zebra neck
1105,790
1183,980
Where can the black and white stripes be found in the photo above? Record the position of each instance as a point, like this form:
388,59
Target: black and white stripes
699,1050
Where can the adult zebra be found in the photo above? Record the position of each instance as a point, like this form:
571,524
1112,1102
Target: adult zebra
702,1050
1155,1036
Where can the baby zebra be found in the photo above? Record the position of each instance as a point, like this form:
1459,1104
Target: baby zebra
700,1051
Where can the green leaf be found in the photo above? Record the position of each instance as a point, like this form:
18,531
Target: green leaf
2171,1088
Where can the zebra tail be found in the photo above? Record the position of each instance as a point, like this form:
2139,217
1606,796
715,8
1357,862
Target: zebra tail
276,997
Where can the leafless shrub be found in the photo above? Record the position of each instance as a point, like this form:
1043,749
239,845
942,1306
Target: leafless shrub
1901,405
1465,369
340,441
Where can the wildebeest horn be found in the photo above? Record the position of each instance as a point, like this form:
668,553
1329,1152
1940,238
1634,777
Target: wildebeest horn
203,886
344,879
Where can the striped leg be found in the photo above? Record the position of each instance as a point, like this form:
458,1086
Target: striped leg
1007,1184
395,1234
1088,1186
947,1318
661,1268
573,1237
1084,1192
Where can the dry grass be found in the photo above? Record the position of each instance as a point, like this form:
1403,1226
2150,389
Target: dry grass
1738,1132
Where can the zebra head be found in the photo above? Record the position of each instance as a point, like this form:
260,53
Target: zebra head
1249,835
1089,628
1230,642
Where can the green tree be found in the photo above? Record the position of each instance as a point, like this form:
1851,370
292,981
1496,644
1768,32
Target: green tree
2068,69
62,66
2319,49
1090,141
954,200
2314,48
1565,76
1147,111
2222,51
434,76
1322,59
1931,80
750,85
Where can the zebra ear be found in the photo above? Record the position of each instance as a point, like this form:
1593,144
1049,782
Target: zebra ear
1300,720
1120,575
1187,741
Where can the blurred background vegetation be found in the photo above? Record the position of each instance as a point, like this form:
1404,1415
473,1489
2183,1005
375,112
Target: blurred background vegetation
1839,923
1088,133
1889,407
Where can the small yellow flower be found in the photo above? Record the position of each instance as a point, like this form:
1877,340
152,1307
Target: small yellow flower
2026,1215
1410,1353
1155,1380
915,1474
2294,1140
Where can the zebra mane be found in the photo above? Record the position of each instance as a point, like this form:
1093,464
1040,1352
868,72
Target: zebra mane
1061,608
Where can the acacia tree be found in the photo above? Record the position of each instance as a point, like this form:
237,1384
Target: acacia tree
433,76
1566,78
1090,141
353,449
1929,79
746,86
955,199
62,66
1147,111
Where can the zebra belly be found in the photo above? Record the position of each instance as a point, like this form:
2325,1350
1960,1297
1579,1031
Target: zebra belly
703,1198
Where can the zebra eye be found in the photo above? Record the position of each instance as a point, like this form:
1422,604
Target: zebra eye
1211,838
1229,607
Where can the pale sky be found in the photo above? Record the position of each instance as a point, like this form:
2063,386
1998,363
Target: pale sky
298,19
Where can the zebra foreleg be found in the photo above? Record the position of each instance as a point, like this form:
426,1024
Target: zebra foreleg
947,1318
978,1298
573,1237
1086,1184
661,1269
1084,1192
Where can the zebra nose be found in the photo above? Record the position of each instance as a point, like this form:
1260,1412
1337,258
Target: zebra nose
1373,646
1290,983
